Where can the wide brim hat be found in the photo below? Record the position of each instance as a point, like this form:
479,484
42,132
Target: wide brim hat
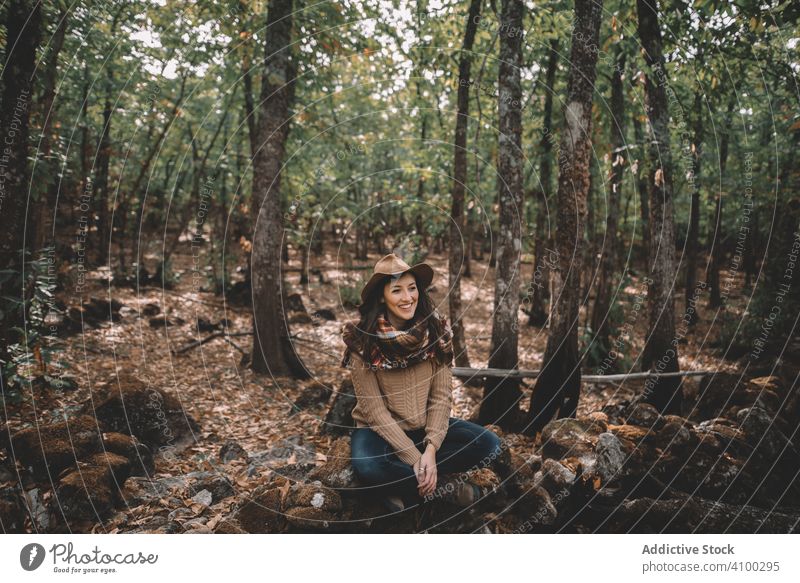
393,265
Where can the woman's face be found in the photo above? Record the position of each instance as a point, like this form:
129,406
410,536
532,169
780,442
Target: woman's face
401,297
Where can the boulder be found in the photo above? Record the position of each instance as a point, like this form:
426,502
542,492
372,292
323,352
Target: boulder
569,437
155,417
315,394
262,511
137,453
339,420
12,510
644,415
230,451
46,450
337,472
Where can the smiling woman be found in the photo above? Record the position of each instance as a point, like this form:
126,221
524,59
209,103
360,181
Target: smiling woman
400,355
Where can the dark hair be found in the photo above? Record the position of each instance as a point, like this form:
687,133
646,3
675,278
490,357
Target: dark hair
371,308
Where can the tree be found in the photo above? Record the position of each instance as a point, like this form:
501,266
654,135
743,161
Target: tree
600,323
558,385
273,351
458,256
23,24
661,348
540,280
501,396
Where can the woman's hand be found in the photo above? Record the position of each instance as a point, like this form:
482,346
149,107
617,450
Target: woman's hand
425,470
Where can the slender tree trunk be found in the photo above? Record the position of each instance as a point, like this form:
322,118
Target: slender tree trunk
457,253
619,160
558,385
715,232
103,160
661,349
540,280
23,23
273,351
691,305
501,396
47,211
641,187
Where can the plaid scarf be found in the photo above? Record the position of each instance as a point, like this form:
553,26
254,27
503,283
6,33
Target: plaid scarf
397,348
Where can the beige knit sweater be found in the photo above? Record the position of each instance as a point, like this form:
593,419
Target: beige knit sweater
391,401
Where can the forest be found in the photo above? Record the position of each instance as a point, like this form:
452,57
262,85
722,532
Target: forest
194,193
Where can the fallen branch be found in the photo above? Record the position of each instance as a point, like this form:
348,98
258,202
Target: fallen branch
208,338
471,373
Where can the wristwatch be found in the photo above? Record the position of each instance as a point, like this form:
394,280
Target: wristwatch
428,440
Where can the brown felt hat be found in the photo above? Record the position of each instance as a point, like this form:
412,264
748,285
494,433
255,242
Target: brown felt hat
393,265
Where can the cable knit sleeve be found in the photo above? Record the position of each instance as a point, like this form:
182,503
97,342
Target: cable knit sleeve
380,420
440,403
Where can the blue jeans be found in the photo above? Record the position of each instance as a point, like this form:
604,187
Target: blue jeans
466,446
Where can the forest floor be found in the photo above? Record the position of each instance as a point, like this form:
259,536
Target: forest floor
230,403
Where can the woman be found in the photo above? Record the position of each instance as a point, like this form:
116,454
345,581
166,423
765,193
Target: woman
400,355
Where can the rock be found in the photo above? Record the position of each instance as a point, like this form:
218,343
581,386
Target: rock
301,318
769,383
554,477
314,395
203,497
718,392
218,487
140,490
137,453
337,472
230,451
262,512
229,526
325,314
339,420
644,415
309,518
12,510
696,515
314,495
610,457
155,417
47,450
86,493
569,437
294,303
204,325
291,472
119,466
633,433
150,310
39,514
675,436
292,449
536,508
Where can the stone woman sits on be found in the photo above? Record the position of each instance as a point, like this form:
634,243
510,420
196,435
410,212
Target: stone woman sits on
400,356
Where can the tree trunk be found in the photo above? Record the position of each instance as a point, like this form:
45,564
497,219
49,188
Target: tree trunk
501,396
715,232
23,22
600,324
661,349
692,244
50,180
273,351
641,187
558,385
457,256
540,286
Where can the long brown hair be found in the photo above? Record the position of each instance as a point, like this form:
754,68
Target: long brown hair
371,308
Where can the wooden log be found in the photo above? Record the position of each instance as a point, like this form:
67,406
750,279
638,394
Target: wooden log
470,373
